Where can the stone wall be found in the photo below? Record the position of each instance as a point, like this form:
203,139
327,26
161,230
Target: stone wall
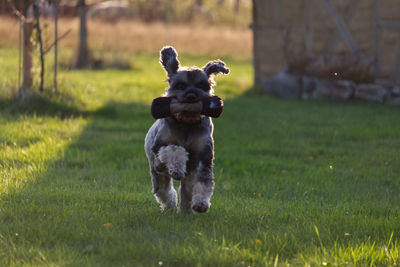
289,86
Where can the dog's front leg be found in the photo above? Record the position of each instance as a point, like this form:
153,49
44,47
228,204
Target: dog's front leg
157,164
196,190
203,187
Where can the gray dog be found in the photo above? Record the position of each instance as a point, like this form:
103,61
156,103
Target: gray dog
179,144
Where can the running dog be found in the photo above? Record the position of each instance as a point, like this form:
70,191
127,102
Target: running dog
180,145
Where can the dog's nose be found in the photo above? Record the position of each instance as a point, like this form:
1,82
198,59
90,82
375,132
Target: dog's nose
191,96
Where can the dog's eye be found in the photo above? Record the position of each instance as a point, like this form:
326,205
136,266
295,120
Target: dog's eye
204,86
180,86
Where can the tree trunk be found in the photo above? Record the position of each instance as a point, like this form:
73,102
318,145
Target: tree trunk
256,50
27,59
236,6
55,44
83,57
36,14
195,9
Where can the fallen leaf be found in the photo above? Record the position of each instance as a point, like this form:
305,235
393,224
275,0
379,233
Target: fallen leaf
265,212
108,225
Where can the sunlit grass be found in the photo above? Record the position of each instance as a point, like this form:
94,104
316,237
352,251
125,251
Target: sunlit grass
301,183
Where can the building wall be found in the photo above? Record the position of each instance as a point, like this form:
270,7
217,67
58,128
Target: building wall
306,27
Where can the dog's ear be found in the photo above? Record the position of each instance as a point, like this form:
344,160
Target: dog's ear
169,60
215,67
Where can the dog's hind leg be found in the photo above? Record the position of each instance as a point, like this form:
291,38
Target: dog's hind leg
185,191
163,190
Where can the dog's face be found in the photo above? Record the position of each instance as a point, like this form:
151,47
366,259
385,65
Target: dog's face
189,84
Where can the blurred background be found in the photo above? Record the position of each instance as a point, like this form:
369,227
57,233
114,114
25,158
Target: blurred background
213,27
354,41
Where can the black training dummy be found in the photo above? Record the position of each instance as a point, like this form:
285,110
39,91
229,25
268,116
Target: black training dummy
163,107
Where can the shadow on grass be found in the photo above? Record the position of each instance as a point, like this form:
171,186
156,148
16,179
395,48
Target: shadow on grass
53,106
58,105
94,205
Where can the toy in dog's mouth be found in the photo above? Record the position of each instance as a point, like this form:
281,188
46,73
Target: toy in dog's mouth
188,116
189,112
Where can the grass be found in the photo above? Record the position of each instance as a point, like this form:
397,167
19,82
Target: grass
300,183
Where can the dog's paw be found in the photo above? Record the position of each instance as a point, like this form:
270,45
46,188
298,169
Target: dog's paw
200,207
159,166
170,206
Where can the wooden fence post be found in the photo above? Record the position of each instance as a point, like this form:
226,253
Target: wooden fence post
83,52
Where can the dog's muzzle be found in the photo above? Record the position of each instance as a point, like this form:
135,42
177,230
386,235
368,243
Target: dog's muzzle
191,96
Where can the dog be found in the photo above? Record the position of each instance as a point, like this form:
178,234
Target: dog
180,145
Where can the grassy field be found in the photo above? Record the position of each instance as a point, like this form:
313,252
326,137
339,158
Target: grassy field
133,36
300,183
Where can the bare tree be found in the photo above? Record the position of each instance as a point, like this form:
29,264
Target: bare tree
36,14
27,78
236,6
27,49
195,8
55,43
83,52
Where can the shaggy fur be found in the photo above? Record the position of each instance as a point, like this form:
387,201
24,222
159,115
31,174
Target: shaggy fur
174,158
181,146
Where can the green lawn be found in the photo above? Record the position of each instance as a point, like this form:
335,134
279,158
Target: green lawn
300,183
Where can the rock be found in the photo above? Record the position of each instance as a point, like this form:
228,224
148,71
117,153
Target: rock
343,89
393,100
335,90
309,86
389,85
396,90
371,92
290,86
386,83
284,85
